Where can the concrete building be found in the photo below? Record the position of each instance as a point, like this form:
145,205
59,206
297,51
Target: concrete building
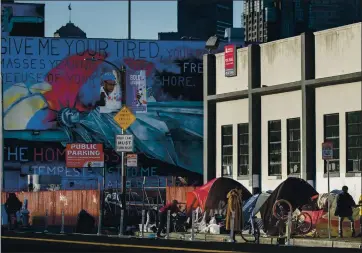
201,19
269,20
268,122
70,31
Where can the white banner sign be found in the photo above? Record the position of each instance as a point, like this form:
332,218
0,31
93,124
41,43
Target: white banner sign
131,160
124,143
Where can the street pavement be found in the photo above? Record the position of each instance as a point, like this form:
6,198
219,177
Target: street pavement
39,242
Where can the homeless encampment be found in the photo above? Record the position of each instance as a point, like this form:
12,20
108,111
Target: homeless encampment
295,190
253,206
213,195
320,217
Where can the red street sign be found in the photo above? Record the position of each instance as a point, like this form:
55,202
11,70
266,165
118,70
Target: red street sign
230,60
327,150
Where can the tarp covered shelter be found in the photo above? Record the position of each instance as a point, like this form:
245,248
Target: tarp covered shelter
213,195
295,190
320,217
253,205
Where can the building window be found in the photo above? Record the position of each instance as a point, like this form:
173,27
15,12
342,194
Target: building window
227,150
293,137
243,149
354,141
275,148
331,134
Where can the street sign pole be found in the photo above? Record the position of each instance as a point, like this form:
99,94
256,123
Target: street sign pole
329,204
327,154
123,168
124,178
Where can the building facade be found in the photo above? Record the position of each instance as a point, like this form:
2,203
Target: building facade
235,35
268,122
268,20
201,19
70,30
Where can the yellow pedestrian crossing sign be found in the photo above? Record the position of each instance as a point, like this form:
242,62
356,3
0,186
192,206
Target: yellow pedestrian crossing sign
125,118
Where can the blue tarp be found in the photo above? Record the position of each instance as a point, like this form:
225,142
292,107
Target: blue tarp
253,206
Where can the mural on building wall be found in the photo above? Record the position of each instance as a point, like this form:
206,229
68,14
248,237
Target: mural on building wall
51,93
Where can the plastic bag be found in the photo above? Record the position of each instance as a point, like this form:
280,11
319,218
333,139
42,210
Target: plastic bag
214,229
213,221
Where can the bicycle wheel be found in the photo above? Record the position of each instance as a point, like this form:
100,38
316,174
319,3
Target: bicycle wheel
304,223
252,236
281,208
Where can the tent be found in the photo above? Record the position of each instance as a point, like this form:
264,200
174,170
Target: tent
253,205
213,195
295,190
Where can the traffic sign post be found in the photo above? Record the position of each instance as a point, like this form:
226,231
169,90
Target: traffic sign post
124,143
327,154
124,119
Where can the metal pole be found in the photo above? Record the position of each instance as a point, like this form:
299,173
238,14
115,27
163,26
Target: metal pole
100,223
193,225
100,210
62,227
122,73
46,221
328,202
232,226
143,224
121,223
158,190
104,178
129,19
289,227
168,224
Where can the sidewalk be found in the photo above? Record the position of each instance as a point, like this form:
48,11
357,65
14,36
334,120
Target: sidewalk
354,243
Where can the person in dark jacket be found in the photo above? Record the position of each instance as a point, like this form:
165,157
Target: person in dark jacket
12,205
345,204
163,215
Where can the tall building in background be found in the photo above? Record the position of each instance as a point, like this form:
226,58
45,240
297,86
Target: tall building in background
235,35
268,20
200,19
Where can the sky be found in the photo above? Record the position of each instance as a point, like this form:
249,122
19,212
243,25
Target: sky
108,19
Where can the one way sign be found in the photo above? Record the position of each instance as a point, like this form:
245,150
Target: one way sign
124,143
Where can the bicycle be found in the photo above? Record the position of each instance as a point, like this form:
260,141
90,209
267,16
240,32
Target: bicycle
254,231
301,221
177,224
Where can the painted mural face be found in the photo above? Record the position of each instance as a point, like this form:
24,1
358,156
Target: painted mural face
50,88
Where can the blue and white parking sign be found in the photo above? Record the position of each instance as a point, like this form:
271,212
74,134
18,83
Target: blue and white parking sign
327,150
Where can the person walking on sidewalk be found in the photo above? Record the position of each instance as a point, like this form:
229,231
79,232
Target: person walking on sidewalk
345,204
163,215
12,206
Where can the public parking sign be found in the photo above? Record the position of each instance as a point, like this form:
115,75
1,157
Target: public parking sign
124,143
327,150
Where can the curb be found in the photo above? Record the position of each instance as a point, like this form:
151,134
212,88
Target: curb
299,242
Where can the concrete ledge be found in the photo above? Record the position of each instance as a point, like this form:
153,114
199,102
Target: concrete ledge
312,243
301,242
